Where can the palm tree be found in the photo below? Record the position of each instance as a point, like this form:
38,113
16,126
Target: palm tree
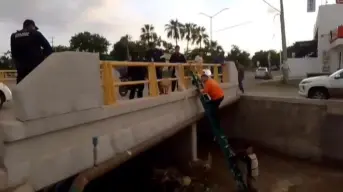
167,46
213,46
174,29
201,35
187,33
157,40
148,33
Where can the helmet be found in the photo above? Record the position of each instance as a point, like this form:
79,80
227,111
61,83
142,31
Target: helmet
207,72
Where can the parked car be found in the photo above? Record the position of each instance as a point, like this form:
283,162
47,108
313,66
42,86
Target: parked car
322,87
5,94
262,73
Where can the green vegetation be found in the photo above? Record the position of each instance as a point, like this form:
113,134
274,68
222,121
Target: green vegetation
196,37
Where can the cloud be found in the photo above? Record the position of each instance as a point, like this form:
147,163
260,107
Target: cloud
114,18
49,13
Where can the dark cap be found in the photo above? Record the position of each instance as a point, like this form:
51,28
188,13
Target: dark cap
29,22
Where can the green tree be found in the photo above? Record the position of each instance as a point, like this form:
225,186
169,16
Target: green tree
148,33
213,47
200,36
167,46
187,33
6,61
236,54
174,29
124,48
60,48
262,57
86,41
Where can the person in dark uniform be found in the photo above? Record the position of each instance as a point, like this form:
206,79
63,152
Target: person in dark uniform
240,70
136,74
29,48
154,55
176,57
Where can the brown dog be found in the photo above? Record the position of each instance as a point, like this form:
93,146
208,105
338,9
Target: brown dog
165,85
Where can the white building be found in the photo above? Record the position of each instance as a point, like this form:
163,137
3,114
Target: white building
328,32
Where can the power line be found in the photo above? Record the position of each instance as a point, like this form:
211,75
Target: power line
270,5
233,26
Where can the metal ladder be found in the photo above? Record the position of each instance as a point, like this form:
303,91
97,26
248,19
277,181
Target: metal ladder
220,136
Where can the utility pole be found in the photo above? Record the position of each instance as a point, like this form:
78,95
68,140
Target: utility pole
284,64
52,41
285,68
211,17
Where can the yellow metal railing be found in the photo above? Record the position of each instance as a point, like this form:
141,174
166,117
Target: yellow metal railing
8,75
110,82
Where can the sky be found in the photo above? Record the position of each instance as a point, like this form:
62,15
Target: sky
114,18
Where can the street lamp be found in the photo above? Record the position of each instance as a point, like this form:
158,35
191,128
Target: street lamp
211,17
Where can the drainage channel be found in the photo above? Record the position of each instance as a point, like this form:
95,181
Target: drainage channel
143,172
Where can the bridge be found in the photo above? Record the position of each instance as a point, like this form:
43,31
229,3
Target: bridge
71,101
72,98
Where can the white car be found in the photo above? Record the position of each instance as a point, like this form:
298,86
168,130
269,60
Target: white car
322,87
262,73
5,94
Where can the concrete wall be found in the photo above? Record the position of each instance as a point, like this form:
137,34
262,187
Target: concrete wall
299,67
63,83
303,128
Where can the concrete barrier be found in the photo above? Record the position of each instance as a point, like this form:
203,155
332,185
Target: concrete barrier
309,129
64,82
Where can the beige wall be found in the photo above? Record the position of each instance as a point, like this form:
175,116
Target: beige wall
303,128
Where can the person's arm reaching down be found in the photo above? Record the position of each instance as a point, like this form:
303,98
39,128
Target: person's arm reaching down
47,49
13,48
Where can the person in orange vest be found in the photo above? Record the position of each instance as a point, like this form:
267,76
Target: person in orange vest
212,89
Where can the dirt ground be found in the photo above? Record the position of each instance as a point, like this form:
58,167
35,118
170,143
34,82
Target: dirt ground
277,173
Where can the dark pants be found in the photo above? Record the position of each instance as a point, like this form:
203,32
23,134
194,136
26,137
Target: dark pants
240,85
214,106
24,67
214,110
136,88
174,84
159,76
22,73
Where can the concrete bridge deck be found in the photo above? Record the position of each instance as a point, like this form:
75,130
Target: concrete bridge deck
47,132
58,109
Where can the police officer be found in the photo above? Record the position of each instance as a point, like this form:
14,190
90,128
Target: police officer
136,74
29,48
176,57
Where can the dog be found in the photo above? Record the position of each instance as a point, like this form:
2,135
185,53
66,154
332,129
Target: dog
165,85
166,82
